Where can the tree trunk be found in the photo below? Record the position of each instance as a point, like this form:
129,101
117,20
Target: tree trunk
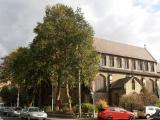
69,97
40,96
18,96
58,94
33,97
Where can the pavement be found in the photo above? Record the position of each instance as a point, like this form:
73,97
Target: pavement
58,118
52,118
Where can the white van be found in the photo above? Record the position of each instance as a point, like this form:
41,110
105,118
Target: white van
150,110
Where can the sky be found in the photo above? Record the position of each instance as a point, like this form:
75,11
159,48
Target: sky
135,22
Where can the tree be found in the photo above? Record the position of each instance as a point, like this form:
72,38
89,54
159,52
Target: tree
14,68
65,42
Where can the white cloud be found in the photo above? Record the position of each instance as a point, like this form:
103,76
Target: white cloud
129,21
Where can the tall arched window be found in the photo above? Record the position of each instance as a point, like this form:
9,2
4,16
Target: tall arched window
133,84
100,83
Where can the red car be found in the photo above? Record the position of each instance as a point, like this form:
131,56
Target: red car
115,113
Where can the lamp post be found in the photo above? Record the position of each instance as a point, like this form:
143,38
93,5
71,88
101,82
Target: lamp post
52,98
109,90
79,93
93,97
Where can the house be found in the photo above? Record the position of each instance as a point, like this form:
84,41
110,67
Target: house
124,69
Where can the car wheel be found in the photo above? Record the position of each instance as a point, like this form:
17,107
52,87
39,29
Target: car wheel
109,118
147,116
130,118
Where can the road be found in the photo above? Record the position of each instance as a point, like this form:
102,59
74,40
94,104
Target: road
15,118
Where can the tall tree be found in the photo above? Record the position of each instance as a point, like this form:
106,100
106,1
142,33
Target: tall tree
65,42
14,68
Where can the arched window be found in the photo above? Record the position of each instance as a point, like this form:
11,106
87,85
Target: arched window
150,86
133,84
119,62
100,83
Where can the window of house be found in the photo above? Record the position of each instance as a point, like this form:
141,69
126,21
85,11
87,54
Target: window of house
119,62
146,66
126,63
133,64
111,61
103,60
152,67
100,83
140,65
133,84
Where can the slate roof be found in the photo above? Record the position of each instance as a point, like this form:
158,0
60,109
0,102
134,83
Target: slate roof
120,49
121,82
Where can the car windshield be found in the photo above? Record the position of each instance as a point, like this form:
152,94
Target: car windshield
34,110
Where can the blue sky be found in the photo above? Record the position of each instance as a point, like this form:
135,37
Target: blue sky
135,22
150,5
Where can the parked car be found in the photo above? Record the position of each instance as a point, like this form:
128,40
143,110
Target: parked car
150,110
6,110
33,113
155,116
15,111
115,113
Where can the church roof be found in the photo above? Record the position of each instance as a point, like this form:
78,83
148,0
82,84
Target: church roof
121,49
121,82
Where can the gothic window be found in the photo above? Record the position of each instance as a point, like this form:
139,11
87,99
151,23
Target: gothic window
140,65
119,62
146,66
133,84
126,63
111,61
100,83
152,67
133,64
103,60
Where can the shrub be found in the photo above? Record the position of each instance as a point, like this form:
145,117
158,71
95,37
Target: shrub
157,103
76,108
148,98
47,108
87,107
101,104
131,102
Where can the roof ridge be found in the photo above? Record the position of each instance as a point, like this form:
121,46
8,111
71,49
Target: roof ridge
122,49
119,42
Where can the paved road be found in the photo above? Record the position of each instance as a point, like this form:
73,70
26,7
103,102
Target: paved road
15,118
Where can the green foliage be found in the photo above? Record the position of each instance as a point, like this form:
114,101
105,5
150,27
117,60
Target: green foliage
138,101
157,103
76,108
65,108
65,40
101,104
87,108
131,102
147,97
9,96
47,108
64,45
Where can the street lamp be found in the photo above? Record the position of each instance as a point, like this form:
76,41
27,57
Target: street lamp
109,90
52,98
79,91
93,97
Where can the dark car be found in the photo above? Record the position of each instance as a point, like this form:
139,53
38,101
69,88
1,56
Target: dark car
115,113
155,116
